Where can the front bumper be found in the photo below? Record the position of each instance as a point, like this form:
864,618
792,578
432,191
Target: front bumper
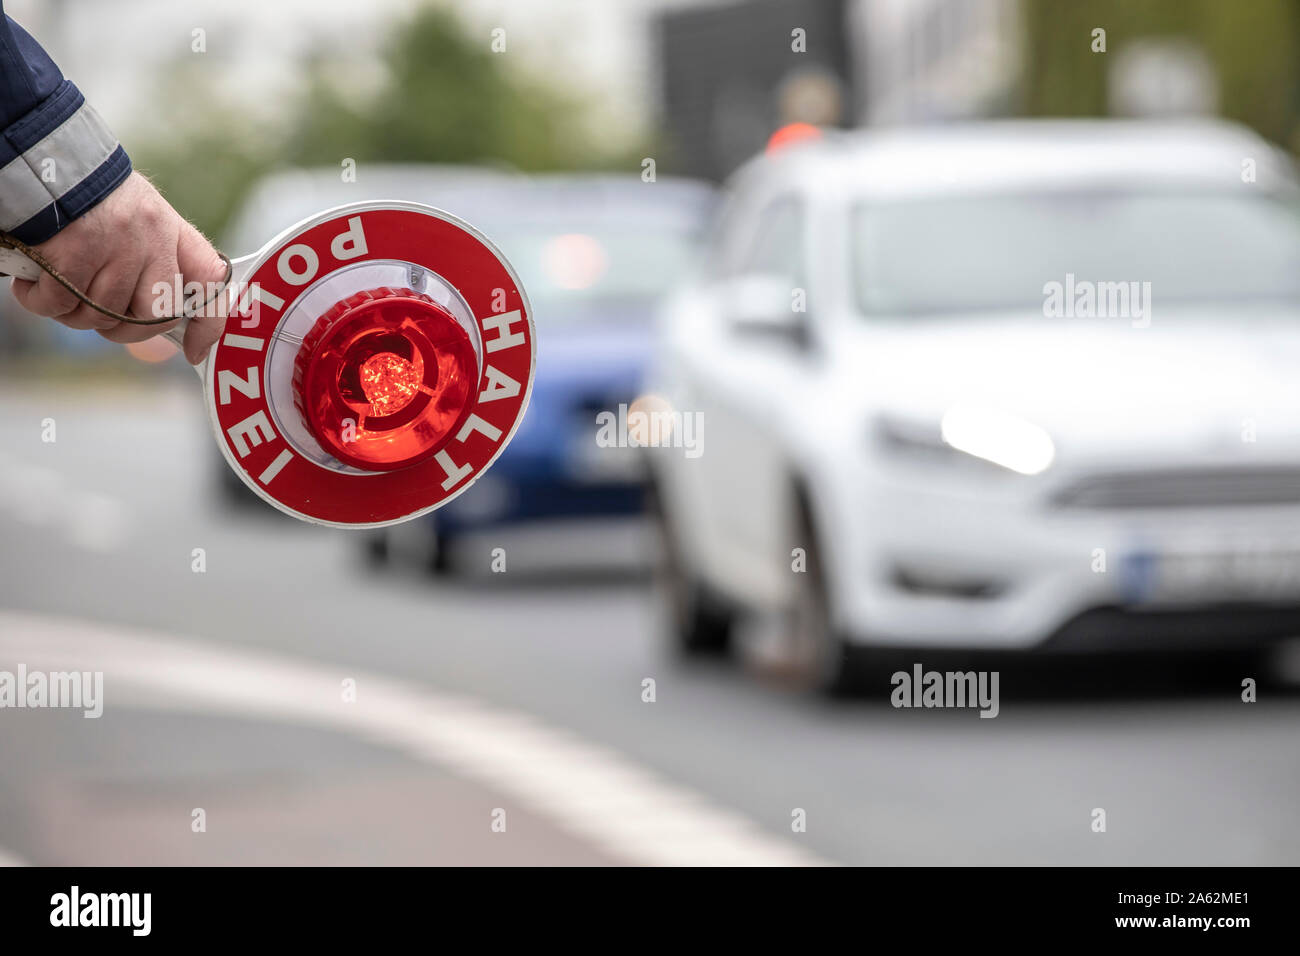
1217,627
519,493
994,564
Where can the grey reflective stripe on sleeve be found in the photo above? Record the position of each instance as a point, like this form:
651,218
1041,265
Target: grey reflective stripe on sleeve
78,147
22,194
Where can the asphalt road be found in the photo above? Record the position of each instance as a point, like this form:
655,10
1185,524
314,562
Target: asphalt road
517,698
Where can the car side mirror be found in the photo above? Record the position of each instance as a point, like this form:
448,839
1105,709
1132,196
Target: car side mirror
762,305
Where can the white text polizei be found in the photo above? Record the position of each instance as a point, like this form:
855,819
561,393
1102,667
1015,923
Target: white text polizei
252,431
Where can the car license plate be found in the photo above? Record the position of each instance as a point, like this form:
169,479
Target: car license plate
1243,574
597,464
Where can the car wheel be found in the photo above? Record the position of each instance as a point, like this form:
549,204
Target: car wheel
375,550
820,659
697,622
429,547
414,544
437,554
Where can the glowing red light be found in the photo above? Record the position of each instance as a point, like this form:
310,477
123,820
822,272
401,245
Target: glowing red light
390,382
384,378
792,133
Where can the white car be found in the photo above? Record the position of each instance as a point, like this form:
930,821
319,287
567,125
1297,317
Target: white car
997,386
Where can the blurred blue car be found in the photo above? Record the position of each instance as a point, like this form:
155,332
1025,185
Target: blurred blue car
596,254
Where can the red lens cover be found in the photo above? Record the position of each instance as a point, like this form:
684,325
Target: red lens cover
384,378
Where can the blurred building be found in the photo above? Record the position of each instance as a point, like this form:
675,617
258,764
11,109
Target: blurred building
732,74
729,75
924,60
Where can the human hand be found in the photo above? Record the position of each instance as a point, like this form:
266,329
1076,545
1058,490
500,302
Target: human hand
115,254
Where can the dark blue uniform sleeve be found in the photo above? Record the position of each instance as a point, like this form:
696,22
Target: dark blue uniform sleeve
57,156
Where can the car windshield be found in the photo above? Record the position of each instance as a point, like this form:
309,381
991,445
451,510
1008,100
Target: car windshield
586,272
995,252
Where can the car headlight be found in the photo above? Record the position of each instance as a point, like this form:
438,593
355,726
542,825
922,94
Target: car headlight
1001,438
996,437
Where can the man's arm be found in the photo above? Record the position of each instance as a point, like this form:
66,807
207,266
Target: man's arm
57,157
67,188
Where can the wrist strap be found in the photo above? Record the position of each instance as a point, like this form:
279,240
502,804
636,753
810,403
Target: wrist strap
9,242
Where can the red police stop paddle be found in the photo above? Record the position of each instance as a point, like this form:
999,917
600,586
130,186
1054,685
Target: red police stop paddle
375,360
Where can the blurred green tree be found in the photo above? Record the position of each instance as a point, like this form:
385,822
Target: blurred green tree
441,96
1253,46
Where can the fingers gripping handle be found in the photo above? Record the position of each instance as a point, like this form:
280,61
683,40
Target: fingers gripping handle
17,260
176,334
14,263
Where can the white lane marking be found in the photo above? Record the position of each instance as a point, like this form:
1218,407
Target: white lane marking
96,522
42,497
626,810
33,494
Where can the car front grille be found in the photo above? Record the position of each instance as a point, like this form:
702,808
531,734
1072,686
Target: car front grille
1184,488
